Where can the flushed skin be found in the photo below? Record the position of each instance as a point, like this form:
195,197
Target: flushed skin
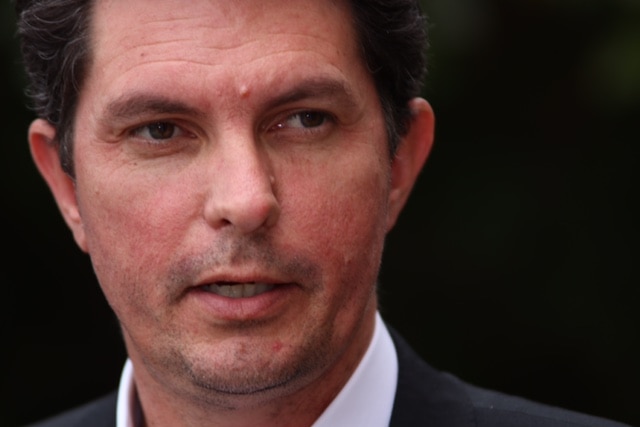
234,142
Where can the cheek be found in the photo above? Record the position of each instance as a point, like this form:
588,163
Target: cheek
340,224
337,212
133,228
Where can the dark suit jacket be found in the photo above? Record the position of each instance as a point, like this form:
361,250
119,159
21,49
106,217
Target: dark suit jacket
425,397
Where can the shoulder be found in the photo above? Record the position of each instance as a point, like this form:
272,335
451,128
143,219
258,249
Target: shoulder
493,408
98,413
428,397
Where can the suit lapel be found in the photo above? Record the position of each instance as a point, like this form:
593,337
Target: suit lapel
426,397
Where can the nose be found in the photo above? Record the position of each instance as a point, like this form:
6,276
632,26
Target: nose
241,189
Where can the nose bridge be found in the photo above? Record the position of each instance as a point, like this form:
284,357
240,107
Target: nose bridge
241,185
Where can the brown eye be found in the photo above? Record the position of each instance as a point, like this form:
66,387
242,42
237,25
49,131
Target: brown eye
311,119
304,126
161,130
305,120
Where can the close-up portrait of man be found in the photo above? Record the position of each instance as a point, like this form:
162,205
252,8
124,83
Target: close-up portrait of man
232,170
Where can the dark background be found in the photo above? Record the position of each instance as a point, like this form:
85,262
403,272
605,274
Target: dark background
514,265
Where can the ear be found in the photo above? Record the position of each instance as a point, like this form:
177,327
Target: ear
411,154
44,151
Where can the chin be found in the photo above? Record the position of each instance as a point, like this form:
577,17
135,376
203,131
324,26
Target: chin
241,372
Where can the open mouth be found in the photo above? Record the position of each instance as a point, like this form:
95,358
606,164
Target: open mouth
238,290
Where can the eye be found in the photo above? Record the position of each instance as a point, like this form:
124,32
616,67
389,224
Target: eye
159,131
304,120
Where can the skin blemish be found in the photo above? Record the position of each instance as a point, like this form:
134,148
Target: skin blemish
243,91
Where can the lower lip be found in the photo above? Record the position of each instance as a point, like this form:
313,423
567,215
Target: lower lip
259,307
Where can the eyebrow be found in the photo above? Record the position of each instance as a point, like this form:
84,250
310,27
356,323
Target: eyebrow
315,88
138,104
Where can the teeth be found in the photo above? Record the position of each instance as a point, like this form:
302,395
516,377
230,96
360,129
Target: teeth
240,290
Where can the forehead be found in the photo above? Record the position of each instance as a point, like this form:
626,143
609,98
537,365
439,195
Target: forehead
205,35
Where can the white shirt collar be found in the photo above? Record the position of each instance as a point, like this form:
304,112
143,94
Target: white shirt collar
366,400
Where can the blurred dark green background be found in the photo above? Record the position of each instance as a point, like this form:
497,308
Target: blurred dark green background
514,265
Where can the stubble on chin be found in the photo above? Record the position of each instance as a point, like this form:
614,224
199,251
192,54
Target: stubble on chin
244,375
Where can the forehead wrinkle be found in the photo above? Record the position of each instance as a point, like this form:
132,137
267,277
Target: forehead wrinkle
168,30
277,43
166,33
209,56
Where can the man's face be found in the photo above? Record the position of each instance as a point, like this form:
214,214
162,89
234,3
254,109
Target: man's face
232,187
